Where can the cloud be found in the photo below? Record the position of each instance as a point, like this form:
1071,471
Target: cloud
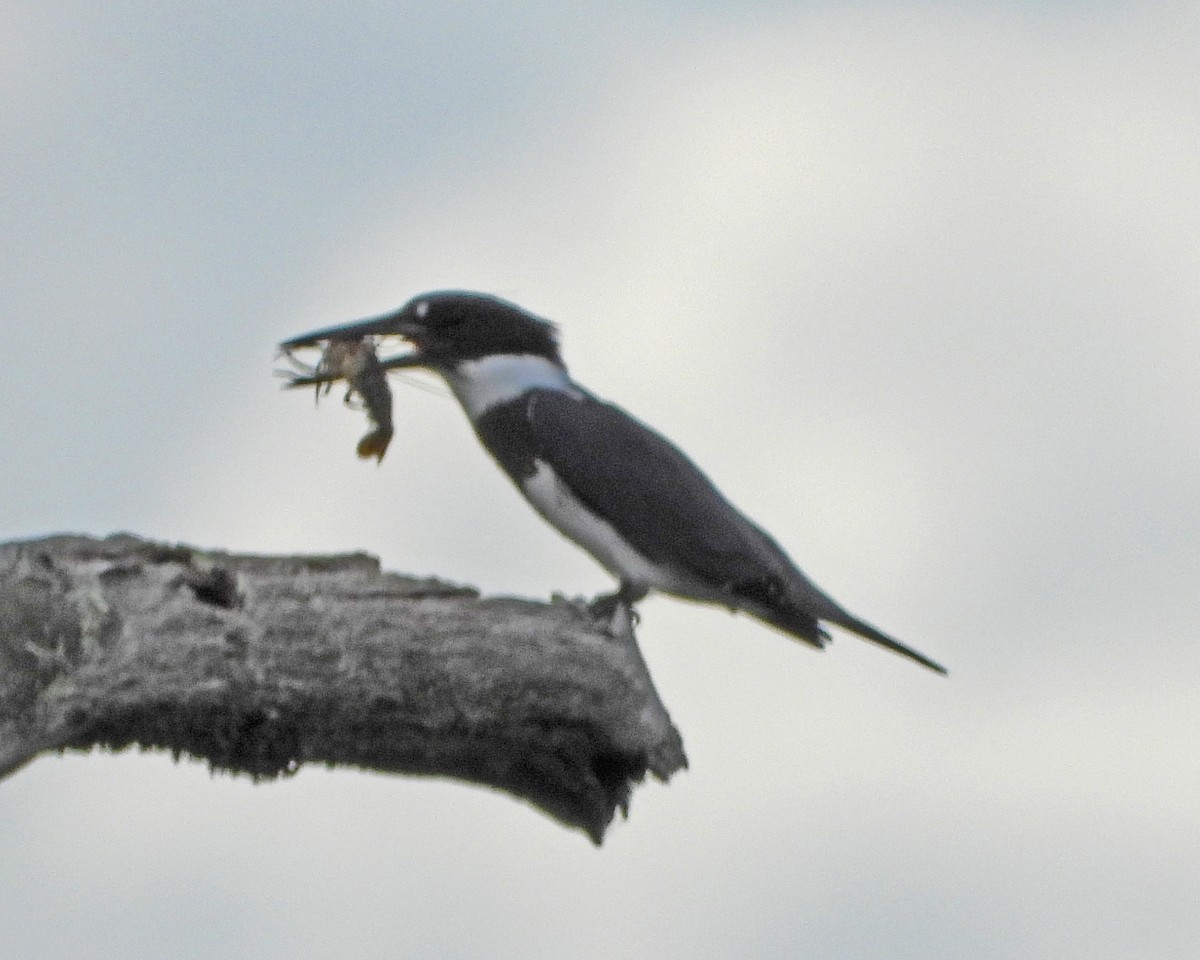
914,285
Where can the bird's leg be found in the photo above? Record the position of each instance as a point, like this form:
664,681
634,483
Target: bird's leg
611,607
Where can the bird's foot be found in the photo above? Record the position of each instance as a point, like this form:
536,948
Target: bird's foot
616,609
604,606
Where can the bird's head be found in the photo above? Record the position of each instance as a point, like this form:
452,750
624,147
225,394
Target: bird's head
449,327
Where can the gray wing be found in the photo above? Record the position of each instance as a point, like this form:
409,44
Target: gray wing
665,505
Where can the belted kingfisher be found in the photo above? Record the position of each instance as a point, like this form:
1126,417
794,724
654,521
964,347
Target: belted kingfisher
618,489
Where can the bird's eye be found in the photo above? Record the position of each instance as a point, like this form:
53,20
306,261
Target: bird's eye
422,309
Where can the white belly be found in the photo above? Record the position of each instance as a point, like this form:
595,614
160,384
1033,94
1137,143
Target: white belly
554,501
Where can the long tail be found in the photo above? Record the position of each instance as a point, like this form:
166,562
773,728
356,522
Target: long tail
804,626
868,632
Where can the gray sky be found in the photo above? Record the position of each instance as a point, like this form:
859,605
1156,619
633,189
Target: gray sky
916,283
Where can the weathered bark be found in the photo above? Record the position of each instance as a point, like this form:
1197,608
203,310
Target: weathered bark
260,664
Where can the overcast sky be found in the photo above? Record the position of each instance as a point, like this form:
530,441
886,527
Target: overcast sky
916,283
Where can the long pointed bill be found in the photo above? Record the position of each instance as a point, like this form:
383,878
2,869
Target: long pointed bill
389,324
347,354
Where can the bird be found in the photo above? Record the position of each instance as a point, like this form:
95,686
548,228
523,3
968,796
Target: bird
608,482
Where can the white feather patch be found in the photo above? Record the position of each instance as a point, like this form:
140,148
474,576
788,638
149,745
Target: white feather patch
481,384
554,501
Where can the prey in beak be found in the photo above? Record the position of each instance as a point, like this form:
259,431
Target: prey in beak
348,352
400,323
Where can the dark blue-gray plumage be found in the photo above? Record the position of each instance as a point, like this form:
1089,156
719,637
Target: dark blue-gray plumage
607,481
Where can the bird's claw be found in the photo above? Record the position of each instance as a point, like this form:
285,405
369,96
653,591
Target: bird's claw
615,610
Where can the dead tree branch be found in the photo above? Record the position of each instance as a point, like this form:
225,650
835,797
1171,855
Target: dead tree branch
261,664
